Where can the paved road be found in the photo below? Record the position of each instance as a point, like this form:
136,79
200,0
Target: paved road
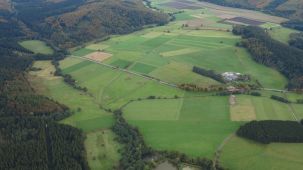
130,72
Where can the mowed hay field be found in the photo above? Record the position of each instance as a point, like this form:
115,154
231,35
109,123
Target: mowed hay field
240,153
37,46
192,125
259,108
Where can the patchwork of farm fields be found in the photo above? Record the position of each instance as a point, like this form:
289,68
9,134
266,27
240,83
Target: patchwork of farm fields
194,123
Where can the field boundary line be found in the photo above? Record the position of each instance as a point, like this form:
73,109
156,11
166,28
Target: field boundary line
291,109
219,149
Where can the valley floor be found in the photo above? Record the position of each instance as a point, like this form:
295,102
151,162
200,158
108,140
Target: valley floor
194,123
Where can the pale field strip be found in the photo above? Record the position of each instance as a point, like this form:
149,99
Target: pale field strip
242,110
180,52
99,56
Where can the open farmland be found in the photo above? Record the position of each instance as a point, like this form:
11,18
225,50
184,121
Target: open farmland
36,46
196,125
163,51
127,72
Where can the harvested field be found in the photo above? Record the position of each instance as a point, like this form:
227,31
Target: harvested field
181,5
199,23
246,21
242,110
98,56
180,52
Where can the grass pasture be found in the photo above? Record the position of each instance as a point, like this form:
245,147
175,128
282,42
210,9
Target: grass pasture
82,52
37,46
121,63
142,68
101,150
240,153
259,108
184,121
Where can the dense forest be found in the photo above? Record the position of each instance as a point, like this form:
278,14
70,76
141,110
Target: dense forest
268,131
296,40
29,143
265,50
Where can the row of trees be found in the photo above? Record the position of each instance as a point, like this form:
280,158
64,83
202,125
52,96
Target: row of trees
268,131
208,73
193,87
280,99
67,78
272,53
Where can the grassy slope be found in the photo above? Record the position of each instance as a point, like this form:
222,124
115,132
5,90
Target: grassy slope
36,46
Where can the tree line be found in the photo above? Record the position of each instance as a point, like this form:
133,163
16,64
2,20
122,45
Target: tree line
265,50
269,131
209,73
280,99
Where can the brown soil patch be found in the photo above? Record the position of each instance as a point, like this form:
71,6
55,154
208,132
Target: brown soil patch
5,5
98,56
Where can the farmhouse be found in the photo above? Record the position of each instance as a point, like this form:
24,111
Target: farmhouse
230,76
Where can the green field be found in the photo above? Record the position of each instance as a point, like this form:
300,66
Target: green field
281,34
240,153
36,46
101,149
195,129
266,108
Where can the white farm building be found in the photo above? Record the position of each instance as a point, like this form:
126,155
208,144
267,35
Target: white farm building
230,76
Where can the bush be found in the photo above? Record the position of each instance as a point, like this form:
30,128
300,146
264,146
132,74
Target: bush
280,99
